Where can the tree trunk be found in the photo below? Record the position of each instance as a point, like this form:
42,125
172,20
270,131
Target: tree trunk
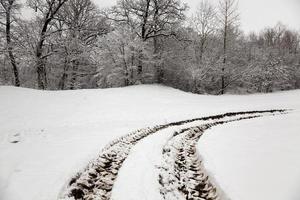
144,38
40,60
130,71
201,50
9,45
74,74
40,63
140,68
224,57
41,74
159,70
15,69
40,66
62,82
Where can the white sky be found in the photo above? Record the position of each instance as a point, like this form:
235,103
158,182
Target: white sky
255,14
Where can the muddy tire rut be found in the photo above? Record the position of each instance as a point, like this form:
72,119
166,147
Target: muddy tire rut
182,174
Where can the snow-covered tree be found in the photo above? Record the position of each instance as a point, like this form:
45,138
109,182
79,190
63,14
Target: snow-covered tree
228,17
46,12
203,22
117,56
8,9
149,19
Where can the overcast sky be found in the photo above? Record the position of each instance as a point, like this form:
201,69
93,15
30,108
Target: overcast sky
255,14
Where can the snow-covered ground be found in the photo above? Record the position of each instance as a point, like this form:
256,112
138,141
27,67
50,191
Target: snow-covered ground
46,137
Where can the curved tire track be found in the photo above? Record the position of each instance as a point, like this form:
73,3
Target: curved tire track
96,181
182,174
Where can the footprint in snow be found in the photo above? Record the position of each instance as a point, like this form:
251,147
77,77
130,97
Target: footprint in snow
15,138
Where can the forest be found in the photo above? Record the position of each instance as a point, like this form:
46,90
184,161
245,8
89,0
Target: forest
74,44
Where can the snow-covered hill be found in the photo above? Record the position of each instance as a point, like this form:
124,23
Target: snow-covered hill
48,136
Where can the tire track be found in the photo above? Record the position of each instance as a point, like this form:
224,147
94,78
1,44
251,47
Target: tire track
96,181
182,174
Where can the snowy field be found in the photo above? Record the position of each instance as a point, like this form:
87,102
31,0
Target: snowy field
48,136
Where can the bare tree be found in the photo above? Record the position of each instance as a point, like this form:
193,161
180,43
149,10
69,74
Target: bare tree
47,9
204,23
149,19
8,7
81,24
290,41
228,17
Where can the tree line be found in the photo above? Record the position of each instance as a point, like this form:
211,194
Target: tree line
73,44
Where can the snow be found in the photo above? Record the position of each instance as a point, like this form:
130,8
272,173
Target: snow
140,169
48,136
260,156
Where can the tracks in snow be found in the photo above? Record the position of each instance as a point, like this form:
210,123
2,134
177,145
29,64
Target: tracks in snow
182,175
